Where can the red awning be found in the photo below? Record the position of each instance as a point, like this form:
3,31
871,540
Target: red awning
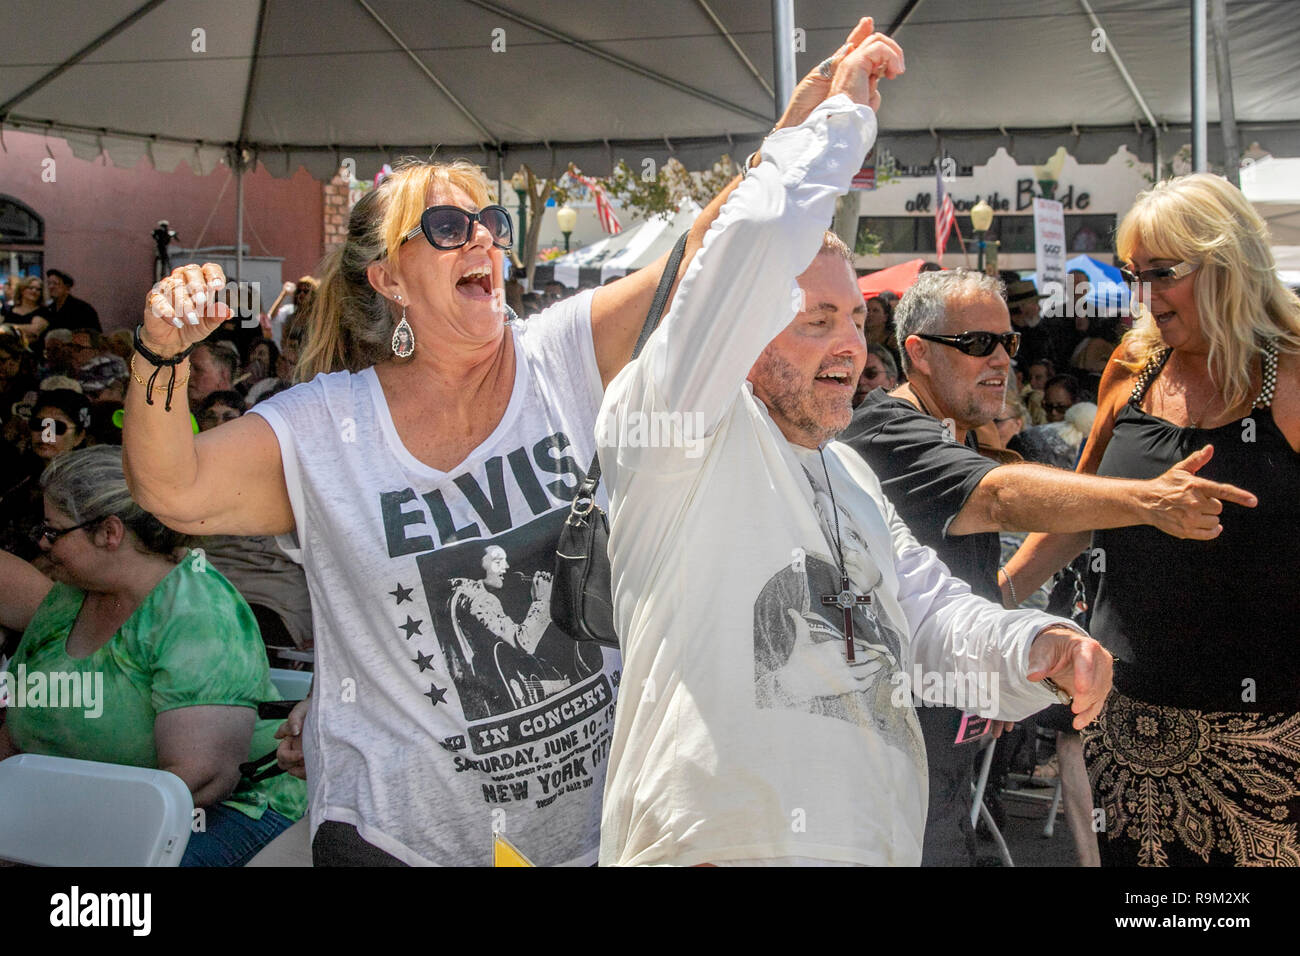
896,279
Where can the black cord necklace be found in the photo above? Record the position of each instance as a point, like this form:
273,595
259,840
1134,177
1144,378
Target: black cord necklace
845,600
839,541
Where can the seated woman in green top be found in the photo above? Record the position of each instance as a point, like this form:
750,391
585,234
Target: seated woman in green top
167,657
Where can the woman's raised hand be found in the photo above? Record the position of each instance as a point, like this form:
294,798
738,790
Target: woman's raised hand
183,309
857,74
815,87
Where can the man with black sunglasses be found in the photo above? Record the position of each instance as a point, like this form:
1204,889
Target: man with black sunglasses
941,462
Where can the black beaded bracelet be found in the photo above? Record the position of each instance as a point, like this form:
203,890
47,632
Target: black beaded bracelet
157,360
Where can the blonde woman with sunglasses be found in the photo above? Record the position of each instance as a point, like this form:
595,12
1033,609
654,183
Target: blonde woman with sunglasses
1195,760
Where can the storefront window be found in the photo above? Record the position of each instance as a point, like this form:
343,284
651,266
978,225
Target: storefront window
1093,234
22,239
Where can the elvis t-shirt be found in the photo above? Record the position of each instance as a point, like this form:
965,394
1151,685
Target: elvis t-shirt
447,706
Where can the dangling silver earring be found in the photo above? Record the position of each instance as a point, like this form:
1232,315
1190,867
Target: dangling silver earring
403,343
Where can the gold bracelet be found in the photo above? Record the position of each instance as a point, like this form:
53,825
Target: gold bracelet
1056,689
134,375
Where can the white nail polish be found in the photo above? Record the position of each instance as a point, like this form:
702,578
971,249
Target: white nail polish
192,318
215,283
177,322
200,298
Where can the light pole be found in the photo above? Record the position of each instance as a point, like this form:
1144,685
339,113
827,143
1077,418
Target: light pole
567,217
981,217
1049,174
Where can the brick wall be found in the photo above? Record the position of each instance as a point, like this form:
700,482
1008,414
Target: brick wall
335,212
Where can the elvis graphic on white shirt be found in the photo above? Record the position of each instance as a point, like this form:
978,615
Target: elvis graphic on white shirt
800,659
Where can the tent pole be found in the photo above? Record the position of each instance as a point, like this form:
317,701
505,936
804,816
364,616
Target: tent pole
1157,163
783,52
1200,161
731,41
1227,109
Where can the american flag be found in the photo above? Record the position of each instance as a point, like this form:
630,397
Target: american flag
944,214
604,210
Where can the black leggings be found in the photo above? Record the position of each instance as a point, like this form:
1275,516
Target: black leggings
339,844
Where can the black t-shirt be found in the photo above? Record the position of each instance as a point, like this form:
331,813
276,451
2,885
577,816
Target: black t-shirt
75,314
928,477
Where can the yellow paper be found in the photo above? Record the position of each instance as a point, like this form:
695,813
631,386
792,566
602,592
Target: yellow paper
504,853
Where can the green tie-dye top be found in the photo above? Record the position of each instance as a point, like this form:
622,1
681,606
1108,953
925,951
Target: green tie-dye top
193,641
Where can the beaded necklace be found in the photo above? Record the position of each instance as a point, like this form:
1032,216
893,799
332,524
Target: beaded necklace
1157,362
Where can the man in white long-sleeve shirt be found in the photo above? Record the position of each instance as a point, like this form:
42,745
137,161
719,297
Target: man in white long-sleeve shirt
747,732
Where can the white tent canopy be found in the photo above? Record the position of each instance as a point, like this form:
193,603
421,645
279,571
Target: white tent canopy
1273,186
628,250
315,82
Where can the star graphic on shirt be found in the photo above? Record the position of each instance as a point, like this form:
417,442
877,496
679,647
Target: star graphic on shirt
424,660
411,627
402,594
437,695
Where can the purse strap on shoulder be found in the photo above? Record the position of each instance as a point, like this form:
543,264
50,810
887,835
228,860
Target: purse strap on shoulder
588,487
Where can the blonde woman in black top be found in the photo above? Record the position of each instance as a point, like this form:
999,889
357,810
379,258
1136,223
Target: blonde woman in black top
1196,758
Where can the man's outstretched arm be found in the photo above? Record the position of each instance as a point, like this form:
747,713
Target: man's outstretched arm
1028,497
957,633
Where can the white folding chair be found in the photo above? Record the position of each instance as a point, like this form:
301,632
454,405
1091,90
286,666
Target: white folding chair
55,811
292,685
293,655
979,809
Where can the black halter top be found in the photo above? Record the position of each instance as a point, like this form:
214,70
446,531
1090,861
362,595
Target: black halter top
1209,625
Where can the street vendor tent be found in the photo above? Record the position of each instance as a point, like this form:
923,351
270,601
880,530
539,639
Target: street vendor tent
317,82
628,250
1108,294
1273,187
896,279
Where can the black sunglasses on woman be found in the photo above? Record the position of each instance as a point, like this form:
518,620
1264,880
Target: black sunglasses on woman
450,227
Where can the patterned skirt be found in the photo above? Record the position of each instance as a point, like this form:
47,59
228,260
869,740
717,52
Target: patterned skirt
1180,787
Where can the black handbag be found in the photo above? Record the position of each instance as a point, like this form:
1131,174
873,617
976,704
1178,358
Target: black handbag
582,601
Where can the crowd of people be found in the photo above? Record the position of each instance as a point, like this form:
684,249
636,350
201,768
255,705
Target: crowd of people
856,512
182,629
